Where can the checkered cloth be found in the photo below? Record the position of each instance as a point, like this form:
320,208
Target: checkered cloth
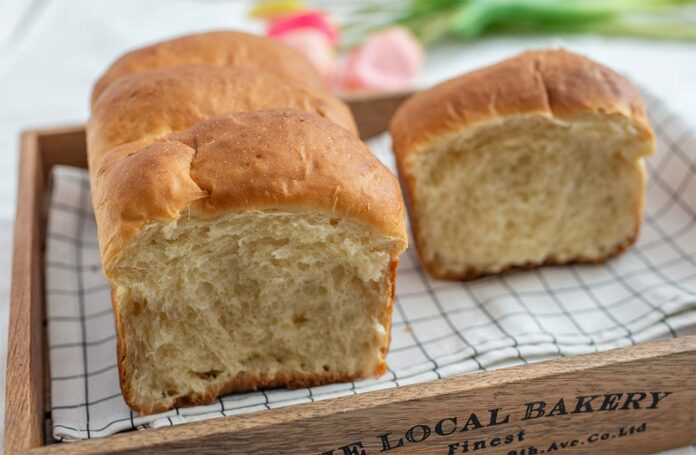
440,329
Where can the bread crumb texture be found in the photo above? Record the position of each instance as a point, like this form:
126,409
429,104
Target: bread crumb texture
250,299
528,190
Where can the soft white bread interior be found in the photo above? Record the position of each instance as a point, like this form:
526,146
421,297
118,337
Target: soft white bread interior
253,250
249,299
528,190
538,159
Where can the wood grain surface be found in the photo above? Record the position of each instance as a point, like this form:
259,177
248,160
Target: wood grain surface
429,418
648,390
24,383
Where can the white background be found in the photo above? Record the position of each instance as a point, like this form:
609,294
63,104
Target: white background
52,52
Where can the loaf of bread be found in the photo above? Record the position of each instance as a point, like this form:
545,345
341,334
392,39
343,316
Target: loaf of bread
535,160
224,48
246,250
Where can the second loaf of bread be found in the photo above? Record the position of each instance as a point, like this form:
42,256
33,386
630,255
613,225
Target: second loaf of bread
537,159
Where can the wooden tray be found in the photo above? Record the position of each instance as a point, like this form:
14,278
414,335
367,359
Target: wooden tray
421,418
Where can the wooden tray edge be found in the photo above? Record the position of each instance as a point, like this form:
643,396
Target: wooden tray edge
41,150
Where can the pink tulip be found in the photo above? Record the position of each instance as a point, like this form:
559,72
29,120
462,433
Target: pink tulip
388,60
314,20
314,45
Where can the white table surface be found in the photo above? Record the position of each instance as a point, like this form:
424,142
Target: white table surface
52,52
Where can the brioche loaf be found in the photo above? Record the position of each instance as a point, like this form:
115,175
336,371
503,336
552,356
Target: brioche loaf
225,48
246,250
537,159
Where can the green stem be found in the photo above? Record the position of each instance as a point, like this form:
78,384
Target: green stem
467,19
667,30
474,16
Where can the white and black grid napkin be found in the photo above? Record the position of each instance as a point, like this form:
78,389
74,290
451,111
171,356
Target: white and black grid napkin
440,328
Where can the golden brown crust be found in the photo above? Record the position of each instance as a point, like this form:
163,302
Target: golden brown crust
277,159
550,82
135,185
386,314
224,48
120,349
144,106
